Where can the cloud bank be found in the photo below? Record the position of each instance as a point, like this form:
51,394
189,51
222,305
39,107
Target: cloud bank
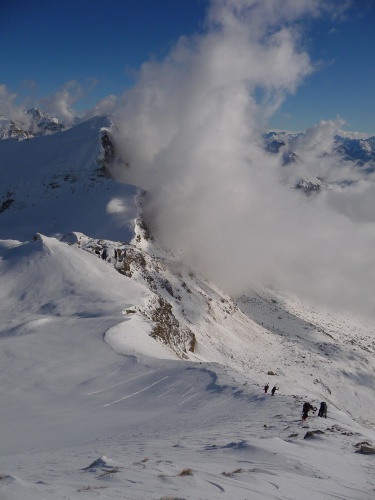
191,130
11,110
59,104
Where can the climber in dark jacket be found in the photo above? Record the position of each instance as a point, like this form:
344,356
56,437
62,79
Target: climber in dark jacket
323,410
305,410
266,387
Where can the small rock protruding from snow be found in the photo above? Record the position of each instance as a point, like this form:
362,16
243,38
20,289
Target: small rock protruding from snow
365,448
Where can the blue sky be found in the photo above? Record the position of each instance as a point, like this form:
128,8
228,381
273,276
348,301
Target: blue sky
100,45
344,81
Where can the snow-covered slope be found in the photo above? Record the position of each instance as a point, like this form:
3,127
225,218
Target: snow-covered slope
58,183
78,418
125,374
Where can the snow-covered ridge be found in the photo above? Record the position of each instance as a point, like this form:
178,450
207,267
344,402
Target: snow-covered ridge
59,183
78,351
308,349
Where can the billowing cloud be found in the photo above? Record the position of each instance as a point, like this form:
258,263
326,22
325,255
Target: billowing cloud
11,110
103,107
191,130
234,76
60,103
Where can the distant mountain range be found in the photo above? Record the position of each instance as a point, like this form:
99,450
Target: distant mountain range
360,151
38,123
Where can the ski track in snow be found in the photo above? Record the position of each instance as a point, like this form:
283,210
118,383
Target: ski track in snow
166,392
118,369
120,383
187,399
138,392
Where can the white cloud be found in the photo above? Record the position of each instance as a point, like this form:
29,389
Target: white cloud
11,110
103,107
191,131
117,206
60,104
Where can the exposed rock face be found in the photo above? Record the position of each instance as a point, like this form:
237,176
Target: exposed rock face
309,186
168,330
4,205
312,434
108,153
367,449
290,157
164,303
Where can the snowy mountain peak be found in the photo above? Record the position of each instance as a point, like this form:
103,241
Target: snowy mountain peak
35,113
43,123
36,124
9,130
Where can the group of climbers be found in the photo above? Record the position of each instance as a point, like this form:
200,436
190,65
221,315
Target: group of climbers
306,406
273,390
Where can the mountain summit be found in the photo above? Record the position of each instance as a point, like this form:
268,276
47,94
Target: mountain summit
44,124
35,123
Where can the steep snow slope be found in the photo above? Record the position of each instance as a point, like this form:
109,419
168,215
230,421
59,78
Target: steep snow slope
114,353
56,184
57,303
320,351
80,419
313,350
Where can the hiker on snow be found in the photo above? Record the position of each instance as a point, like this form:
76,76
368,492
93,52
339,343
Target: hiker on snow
305,410
323,410
274,389
266,387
